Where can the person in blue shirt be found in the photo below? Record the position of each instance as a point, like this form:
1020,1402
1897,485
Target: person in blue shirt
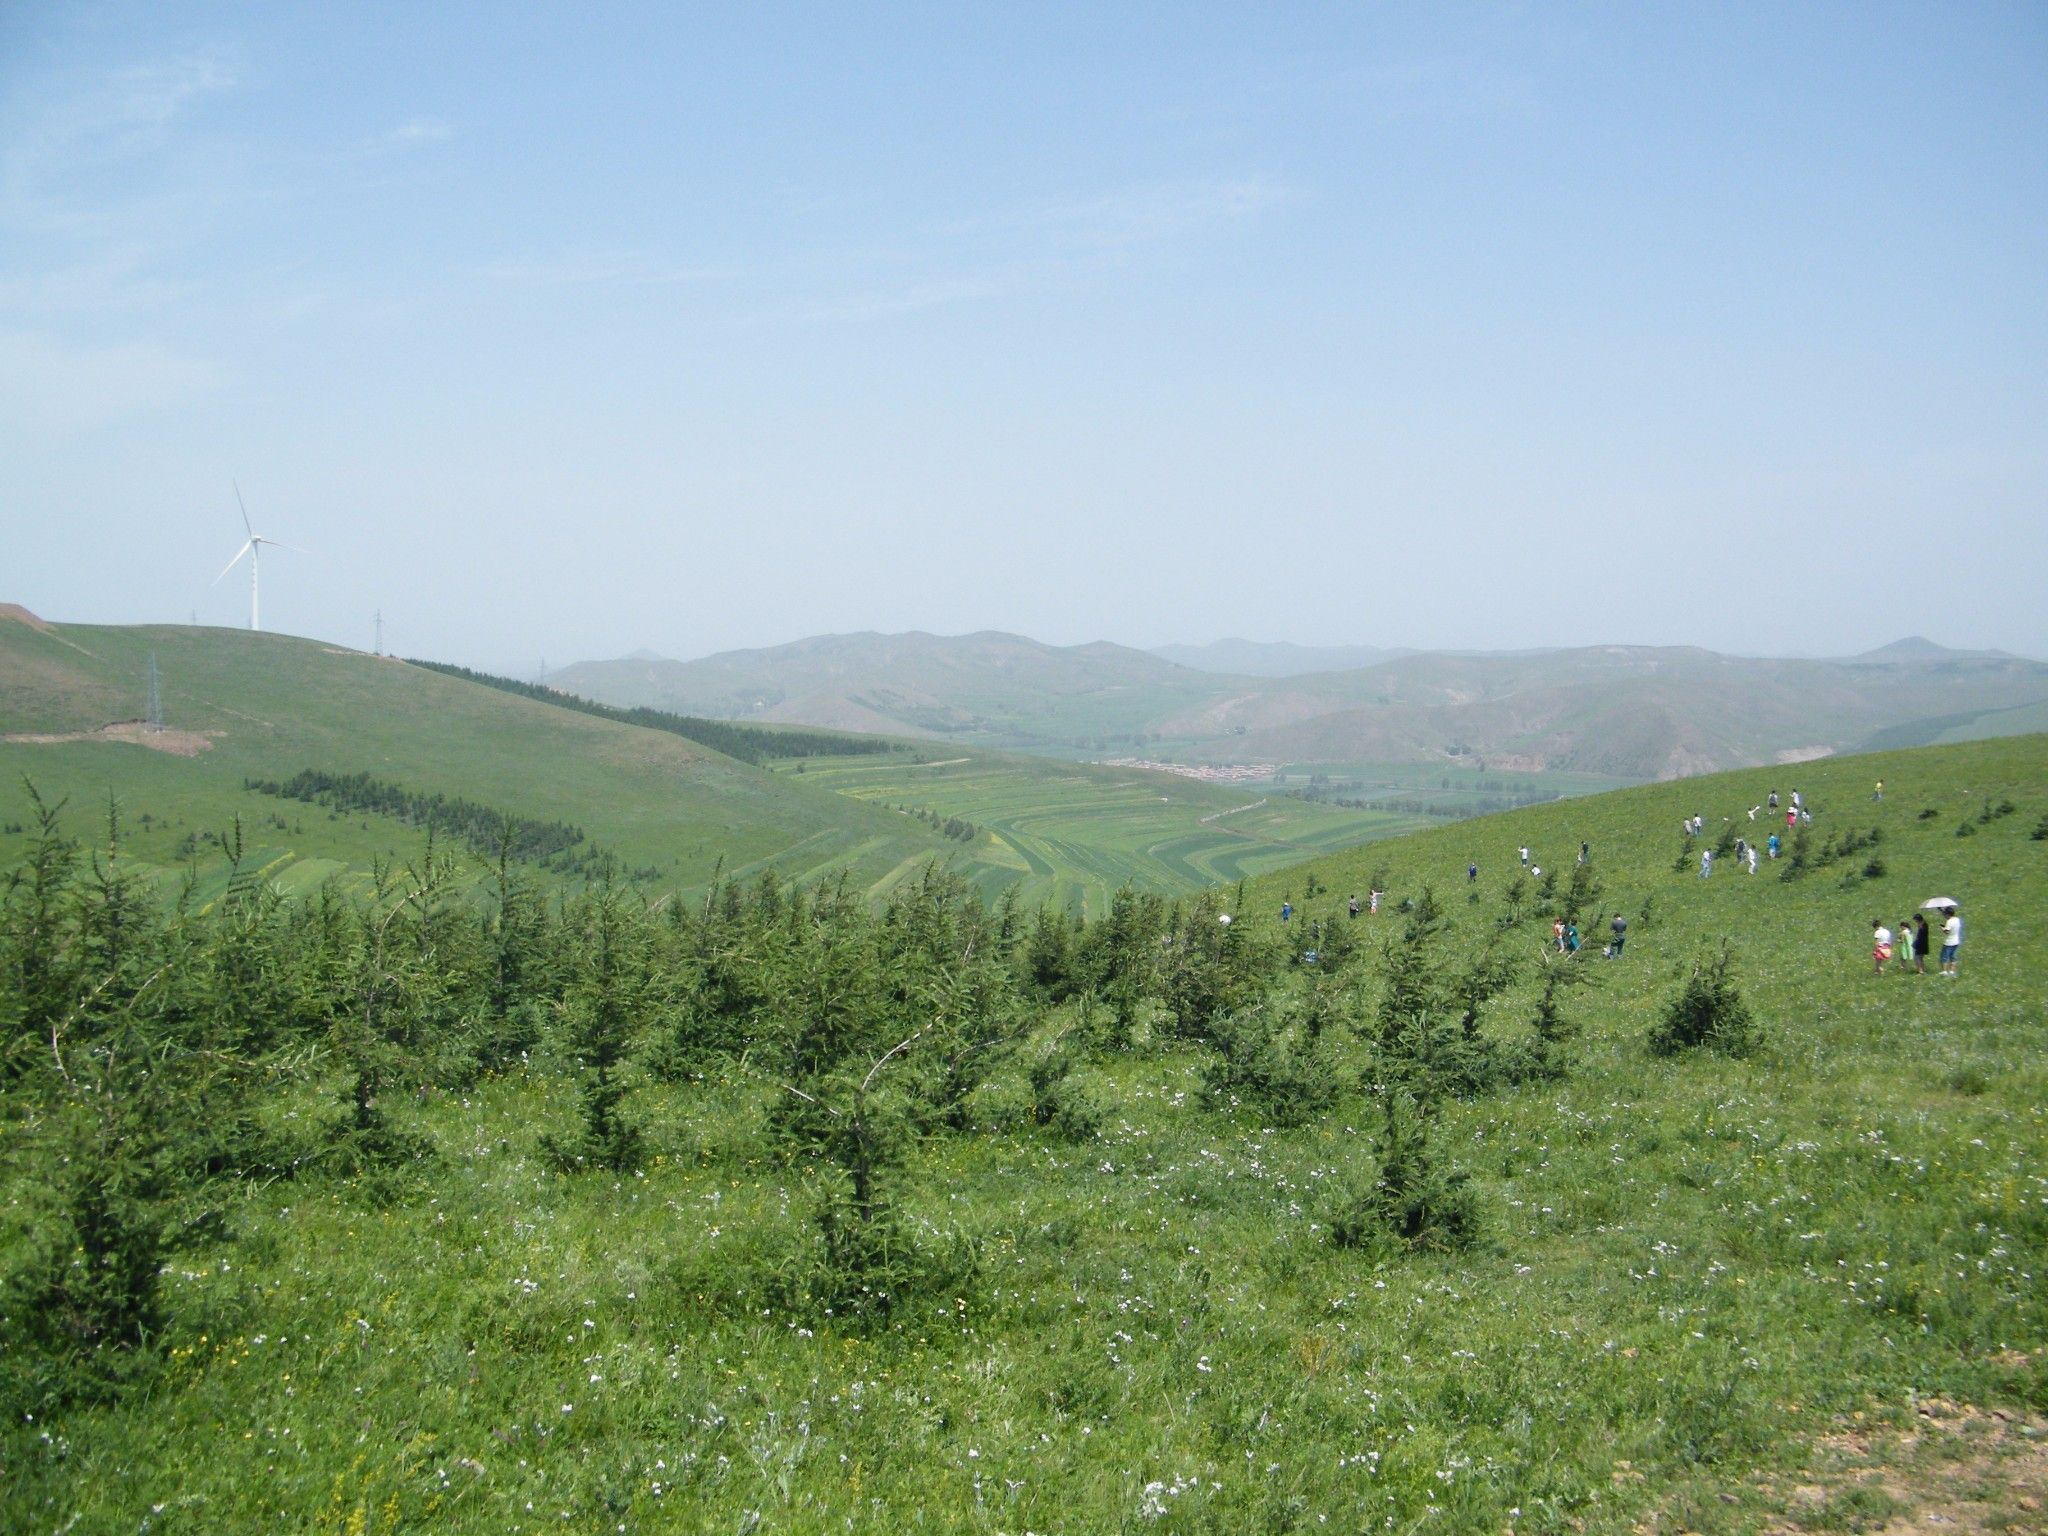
1286,910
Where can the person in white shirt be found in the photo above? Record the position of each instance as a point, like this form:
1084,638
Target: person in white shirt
1880,943
1951,940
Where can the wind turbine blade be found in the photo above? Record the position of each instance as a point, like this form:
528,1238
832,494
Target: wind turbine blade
274,544
245,509
234,562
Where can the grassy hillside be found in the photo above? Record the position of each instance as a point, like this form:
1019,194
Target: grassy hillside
244,706
1797,1290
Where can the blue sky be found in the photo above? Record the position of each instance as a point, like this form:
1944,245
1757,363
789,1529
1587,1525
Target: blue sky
567,330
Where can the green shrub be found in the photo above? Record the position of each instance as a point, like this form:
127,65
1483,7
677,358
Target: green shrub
1709,1013
1972,1079
1412,1198
1266,1057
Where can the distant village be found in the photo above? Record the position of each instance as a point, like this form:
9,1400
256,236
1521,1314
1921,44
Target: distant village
1212,773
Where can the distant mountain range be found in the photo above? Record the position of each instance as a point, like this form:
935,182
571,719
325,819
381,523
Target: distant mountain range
1274,658
1640,712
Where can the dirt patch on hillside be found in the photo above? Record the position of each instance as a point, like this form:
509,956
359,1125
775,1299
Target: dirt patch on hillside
21,615
1956,1470
177,743
1802,754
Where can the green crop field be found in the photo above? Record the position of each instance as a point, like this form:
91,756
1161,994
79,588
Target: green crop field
1074,833
1424,1236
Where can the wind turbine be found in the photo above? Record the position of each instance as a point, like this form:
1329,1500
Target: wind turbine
254,550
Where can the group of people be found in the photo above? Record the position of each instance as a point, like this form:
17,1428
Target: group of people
1909,943
1912,941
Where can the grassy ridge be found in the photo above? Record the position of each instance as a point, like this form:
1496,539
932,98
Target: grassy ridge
268,706
1694,1268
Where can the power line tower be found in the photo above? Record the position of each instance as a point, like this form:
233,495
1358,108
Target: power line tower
153,711
380,632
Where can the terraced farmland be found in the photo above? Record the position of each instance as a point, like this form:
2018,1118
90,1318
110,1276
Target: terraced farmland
1073,833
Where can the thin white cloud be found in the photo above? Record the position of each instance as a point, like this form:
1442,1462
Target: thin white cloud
419,130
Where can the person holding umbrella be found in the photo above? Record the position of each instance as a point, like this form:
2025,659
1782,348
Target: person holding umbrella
1951,929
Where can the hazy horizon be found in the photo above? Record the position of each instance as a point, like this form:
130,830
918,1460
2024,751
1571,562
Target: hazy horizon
1473,327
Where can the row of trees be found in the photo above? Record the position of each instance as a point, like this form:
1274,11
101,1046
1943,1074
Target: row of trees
748,743
484,829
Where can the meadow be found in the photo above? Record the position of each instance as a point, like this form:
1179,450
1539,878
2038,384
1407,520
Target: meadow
1423,1235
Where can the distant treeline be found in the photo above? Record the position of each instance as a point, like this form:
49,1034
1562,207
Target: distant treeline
485,830
748,743
954,827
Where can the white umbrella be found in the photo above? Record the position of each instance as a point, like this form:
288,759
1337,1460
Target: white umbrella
1937,902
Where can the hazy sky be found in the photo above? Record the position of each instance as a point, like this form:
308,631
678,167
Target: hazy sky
563,330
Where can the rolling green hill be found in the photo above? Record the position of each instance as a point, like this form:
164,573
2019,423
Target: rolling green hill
266,708
243,706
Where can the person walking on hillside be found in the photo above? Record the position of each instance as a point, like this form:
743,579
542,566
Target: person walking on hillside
1351,906
1619,928
1286,910
1372,902
1571,938
1772,846
1471,874
1585,853
1791,818
1557,933
1920,937
1774,800
1706,863
1951,941
1878,794
1905,946
1749,857
1880,943
1525,853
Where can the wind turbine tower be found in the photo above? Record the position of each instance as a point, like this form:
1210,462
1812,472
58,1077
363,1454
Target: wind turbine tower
153,710
254,550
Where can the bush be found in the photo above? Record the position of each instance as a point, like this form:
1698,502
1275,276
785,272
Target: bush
1069,1102
1288,1072
1708,1012
1413,1199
